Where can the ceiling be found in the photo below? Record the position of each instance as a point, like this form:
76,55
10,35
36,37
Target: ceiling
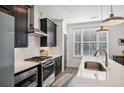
79,13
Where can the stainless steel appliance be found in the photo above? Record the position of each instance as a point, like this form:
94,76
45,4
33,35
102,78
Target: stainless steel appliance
48,72
32,30
47,69
38,58
6,50
27,78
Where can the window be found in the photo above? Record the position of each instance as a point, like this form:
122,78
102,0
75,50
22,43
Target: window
87,41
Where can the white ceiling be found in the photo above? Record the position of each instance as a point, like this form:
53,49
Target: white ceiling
82,13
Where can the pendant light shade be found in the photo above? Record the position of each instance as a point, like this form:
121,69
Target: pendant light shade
112,20
102,29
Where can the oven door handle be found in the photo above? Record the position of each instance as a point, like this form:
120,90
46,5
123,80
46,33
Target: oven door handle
45,66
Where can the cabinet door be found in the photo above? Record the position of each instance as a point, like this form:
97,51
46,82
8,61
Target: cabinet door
50,29
49,33
9,9
43,27
58,65
53,35
119,59
21,26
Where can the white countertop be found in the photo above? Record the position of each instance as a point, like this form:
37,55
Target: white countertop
55,55
82,72
115,76
22,65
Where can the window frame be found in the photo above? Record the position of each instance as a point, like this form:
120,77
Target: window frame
89,42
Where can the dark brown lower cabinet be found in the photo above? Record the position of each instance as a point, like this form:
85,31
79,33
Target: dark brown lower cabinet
58,65
119,59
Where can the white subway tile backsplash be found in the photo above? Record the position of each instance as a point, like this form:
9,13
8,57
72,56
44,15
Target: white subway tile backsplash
33,49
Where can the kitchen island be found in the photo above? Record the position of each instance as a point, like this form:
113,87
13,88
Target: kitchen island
114,75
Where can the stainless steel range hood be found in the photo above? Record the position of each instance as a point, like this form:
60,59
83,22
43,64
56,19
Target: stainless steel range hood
37,32
32,30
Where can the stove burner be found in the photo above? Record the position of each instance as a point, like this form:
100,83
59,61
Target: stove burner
38,58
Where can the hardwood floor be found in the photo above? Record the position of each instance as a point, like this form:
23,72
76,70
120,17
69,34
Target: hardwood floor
68,70
64,77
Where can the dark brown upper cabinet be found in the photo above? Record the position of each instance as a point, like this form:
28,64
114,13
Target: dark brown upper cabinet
21,26
49,28
9,9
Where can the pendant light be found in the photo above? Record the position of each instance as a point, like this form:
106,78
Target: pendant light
102,28
112,20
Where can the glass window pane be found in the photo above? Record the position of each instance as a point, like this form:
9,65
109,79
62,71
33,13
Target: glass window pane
86,36
92,48
86,49
102,46
105,46
102,37
77,36
89,41
77,49
92,35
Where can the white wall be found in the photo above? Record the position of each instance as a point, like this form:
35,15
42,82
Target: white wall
115,33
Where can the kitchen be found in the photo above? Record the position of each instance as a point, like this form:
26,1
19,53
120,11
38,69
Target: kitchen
27,47
43,46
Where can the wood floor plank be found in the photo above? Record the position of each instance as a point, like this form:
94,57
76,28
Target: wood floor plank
63,77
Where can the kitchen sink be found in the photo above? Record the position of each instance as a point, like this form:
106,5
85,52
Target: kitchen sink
95,66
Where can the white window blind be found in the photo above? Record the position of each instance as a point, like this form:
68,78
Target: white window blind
87,41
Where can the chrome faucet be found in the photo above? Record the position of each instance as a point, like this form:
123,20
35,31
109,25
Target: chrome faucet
106,57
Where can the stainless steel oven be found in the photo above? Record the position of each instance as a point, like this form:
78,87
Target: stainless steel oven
48,72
